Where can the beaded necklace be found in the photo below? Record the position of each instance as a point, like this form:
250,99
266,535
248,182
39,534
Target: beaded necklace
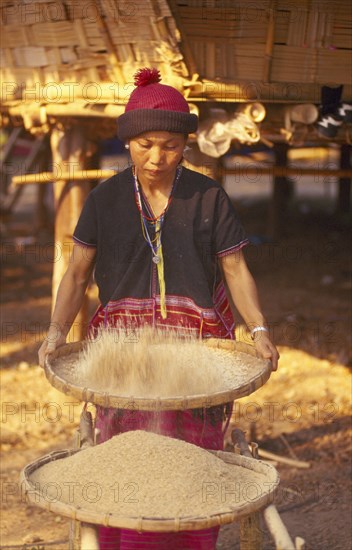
155,243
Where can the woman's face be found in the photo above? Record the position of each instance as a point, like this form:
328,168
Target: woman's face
156,156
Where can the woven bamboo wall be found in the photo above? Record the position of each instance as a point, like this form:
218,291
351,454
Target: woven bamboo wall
304,42
97,41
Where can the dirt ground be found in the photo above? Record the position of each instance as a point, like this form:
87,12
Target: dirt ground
303,411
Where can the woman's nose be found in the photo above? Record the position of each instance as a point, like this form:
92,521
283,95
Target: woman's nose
156,155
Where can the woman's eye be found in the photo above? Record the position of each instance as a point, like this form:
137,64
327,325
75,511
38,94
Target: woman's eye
165,147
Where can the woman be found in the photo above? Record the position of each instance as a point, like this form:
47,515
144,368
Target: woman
161,239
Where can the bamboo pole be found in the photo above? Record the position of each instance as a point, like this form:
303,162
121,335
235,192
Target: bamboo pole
206,164
277,528
284,171
289,461
71,175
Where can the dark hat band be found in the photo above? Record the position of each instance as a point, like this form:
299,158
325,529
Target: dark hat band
135,122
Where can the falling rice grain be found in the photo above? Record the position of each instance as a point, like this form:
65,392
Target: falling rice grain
157,365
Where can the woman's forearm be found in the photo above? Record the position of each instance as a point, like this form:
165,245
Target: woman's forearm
244,294
72,289
69,300
243,290
245,297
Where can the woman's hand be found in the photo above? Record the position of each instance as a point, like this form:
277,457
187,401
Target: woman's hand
266,348
54,340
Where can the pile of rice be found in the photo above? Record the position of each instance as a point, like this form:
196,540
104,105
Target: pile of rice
142,474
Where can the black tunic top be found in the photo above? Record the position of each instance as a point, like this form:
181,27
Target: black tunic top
200,225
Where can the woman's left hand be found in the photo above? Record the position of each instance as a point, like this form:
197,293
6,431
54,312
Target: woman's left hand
266,349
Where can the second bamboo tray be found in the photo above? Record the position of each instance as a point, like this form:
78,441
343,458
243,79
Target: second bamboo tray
265,490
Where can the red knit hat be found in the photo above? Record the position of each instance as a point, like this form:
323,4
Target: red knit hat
154,106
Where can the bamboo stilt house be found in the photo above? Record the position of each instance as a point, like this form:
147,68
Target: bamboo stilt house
65,58
67,66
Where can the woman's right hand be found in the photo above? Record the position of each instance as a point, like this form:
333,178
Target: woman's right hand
54,340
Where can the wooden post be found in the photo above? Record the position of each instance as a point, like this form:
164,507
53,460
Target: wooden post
69,147
251,536
280,193
42,213
344,191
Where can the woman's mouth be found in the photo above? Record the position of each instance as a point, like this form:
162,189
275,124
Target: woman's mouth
154,172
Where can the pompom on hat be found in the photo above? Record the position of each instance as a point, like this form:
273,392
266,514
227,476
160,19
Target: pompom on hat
155,106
